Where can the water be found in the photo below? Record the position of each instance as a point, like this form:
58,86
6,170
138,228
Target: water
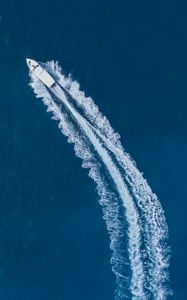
131,58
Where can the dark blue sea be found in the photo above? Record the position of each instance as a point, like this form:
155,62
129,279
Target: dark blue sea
131,58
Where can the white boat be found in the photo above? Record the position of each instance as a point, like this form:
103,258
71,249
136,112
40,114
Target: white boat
40,72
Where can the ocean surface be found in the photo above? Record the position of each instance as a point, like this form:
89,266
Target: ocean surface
131,58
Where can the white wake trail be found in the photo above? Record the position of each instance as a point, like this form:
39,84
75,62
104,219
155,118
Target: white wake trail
155,228
147,229
154,224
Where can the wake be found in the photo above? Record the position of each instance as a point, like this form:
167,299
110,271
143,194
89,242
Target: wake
133,214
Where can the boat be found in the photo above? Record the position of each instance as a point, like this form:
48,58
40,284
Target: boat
37,69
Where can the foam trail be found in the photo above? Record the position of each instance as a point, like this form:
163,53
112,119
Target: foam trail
143,212
155,228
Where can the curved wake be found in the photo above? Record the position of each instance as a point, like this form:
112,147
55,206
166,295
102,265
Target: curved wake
133,214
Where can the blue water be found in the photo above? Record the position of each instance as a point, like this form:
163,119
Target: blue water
131,58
